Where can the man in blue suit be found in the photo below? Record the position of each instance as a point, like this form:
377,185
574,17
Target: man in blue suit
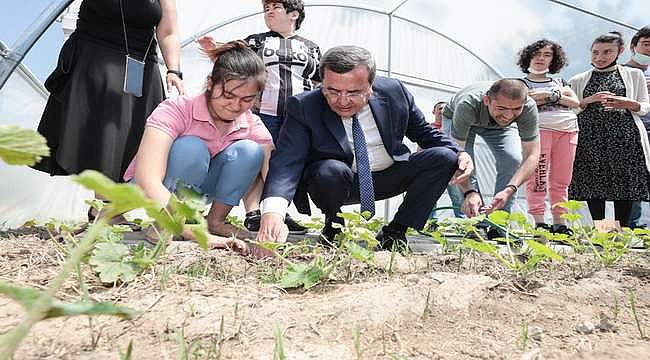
342,144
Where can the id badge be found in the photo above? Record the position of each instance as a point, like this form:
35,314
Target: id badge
133,76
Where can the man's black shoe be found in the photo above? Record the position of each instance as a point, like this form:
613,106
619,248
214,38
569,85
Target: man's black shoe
390,238
294,227
252,221
328,234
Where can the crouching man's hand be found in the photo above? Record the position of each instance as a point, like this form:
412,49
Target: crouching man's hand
272,229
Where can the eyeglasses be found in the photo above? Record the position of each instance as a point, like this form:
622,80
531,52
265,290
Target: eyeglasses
335,95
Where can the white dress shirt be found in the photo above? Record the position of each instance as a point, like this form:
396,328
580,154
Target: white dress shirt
378,157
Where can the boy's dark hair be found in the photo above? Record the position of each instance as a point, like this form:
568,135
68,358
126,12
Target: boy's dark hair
643,32
559,56
289,6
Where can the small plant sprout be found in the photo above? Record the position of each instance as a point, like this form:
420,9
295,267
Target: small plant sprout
278,350
524,335
635,315
356,335
427,306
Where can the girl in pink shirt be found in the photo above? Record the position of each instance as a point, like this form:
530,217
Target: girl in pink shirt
211,142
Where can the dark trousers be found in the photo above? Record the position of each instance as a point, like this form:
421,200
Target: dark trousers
424,177
622,210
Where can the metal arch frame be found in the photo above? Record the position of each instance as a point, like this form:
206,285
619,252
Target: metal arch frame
390,14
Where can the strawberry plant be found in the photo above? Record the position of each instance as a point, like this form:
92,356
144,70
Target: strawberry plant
521,264
352,243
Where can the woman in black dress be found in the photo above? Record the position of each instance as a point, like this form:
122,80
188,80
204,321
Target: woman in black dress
612,158
90,122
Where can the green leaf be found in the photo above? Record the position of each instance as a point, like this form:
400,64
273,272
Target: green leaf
572,217
27,296
300,275
571,205
122,197
519,218
20,146
359,253
110,261
499,217
350,216
479,246
541,249
294,276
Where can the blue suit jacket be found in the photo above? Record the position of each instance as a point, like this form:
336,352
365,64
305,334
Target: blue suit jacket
312,132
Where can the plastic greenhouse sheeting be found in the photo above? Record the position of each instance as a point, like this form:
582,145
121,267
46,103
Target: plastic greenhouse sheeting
434,46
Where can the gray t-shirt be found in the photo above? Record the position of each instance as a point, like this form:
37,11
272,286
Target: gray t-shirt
466,109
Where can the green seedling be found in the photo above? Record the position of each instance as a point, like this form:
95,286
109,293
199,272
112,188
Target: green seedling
278,350
522,266
352,243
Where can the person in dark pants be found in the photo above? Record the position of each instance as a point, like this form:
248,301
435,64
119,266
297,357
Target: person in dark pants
342,144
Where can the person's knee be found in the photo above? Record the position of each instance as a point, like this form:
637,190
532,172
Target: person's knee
189,154
247,155
329,175
440,157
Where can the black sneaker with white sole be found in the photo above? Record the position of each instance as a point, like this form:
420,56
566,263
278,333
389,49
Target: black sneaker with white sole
253,219
294,227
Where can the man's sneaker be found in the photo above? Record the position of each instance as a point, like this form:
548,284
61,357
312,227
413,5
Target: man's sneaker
252,221
499,236
328,234
561,229
390,238
294,227
543,226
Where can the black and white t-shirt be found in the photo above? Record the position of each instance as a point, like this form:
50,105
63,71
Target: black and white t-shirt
291,63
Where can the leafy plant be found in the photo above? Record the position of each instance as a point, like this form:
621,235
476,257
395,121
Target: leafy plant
522,266
352,243
20,146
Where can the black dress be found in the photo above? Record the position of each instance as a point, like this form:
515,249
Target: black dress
89,122
609,162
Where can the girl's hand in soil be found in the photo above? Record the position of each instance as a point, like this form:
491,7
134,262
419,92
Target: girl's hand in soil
220,242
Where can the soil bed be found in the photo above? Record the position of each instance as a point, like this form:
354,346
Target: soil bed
430,307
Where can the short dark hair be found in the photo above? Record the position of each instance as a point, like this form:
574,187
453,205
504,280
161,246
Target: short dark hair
514,89
234,60
559,56
289,6
610,37
438,103
643,32
343,59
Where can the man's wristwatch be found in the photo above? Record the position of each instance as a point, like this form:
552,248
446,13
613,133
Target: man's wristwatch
513,187
469,192
176,72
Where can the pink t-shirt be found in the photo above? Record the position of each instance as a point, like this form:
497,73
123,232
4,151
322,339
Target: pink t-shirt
188,115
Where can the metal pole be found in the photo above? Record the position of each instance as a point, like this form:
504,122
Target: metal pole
10,58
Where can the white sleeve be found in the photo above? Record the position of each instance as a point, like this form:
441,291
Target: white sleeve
274,204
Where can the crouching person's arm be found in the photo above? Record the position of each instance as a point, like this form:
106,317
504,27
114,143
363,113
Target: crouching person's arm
150,175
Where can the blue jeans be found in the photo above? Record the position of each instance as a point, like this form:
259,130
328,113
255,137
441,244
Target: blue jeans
224,178
273,125
635,214
454,192
505,146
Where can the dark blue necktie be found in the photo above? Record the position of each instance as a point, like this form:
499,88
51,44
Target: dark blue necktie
366,188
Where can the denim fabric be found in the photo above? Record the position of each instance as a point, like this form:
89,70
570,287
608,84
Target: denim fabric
505,146
454,192
225,178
